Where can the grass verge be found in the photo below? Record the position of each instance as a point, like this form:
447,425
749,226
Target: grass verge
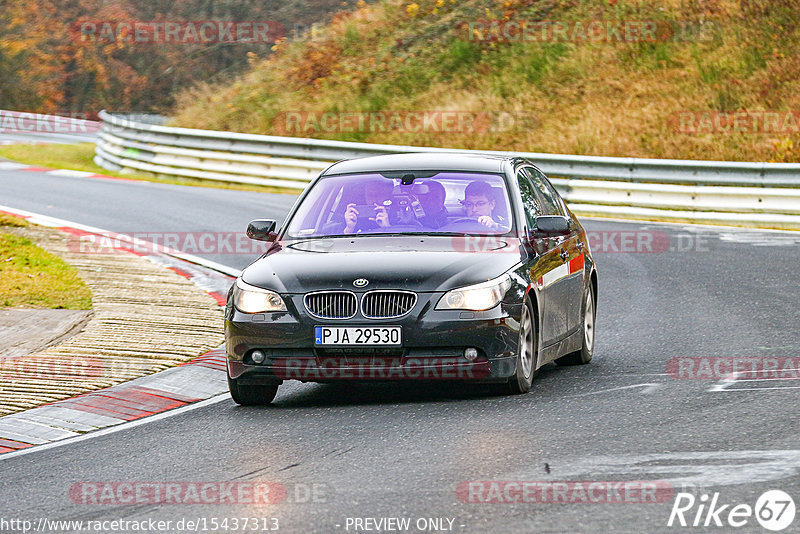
31,277
79,157
678,94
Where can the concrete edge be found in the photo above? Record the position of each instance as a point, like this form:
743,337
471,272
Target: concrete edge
200,379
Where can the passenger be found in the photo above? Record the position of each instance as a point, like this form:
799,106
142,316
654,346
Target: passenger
433,204
377,193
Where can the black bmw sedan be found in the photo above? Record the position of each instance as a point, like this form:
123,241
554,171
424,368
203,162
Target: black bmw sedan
414,267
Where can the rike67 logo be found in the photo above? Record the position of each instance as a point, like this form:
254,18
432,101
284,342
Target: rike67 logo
774,510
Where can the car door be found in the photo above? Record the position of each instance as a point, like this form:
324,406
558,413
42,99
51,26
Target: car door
569,280
541,267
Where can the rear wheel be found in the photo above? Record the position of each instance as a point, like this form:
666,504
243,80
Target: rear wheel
526,354
583,356
249,395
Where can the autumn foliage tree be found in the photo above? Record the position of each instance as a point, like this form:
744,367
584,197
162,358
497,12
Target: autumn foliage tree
47,65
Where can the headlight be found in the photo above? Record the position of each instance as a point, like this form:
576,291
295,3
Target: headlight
251,299
479,297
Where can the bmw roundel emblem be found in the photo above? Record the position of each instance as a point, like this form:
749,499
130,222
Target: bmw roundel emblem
361,282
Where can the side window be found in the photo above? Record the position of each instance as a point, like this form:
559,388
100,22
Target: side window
529,201
551,202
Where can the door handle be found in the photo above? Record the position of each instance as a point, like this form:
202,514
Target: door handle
564,255
580,245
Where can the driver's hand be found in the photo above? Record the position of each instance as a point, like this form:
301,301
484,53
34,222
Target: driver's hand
350,219
381,216
488,221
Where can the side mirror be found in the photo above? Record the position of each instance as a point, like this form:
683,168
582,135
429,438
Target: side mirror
262,230
552,225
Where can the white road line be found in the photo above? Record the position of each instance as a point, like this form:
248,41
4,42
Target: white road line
617,375
691,226
111,430
70,174
648,388
773,371
766,379
724,390
723,385
681,469
12,166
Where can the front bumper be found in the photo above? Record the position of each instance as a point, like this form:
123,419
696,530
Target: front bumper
433,344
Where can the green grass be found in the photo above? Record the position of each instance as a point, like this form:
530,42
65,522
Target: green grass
31,277
79,157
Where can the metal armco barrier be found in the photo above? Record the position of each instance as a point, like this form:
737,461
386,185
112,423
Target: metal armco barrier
739,193
24,127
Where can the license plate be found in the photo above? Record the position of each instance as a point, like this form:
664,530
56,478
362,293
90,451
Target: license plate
358,335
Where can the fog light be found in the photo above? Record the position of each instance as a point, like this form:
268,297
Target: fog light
258,356
471,354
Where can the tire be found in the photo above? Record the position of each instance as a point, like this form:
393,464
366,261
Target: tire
251,395
526,354
584,356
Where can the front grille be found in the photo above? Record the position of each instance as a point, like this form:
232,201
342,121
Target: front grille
387,304
331,304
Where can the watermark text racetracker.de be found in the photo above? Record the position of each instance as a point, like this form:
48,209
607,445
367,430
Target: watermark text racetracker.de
37,367
177,31
379,368
432,121
723,367
736,122
644,242
223,243
145,242
564,492
600,242
592,31
118,493
19,122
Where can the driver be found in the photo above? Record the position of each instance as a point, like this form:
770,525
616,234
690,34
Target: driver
376,192
479,202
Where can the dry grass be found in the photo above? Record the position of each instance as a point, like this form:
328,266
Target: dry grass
610,99
11,221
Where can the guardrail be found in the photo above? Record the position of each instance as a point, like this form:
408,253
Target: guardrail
25,127
760,194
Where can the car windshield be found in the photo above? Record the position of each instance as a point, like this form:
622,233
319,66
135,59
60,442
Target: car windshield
367,204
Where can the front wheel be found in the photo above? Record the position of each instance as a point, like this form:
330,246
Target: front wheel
526,354
583,356
248,395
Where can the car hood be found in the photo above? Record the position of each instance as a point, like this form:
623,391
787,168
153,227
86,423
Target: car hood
413,263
